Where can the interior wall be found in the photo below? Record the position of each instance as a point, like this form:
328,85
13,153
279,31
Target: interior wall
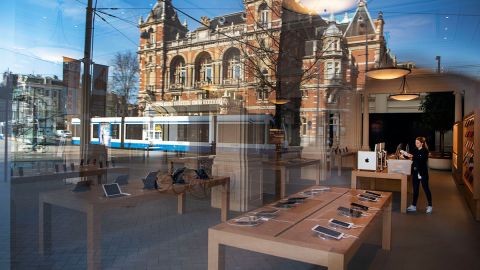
471,100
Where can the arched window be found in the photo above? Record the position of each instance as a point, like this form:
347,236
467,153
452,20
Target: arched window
178,72
204,68
263,14
232,69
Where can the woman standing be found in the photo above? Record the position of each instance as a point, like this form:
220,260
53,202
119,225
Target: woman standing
419,157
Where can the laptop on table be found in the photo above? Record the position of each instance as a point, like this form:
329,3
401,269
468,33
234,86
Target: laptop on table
113,190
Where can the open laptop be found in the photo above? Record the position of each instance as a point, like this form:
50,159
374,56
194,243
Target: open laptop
113,190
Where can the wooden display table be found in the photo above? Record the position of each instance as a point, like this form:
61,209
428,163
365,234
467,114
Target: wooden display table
289,234
83,171
339,160
283,167
384,175
204,162
93,203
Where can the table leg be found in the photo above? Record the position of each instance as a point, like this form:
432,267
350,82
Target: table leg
216,253
225,200
44,228
278,184
339,166
387,226
354,180
283,176
403,194
336,261
372,184
94,239
181,203
318,173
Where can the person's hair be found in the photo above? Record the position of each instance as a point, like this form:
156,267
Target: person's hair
423,141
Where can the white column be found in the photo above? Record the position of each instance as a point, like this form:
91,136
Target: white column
381,103
458,106
366,112
358,121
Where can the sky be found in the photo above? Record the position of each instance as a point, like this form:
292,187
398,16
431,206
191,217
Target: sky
36,32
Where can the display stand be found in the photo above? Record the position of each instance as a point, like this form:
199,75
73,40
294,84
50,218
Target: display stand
457,152
471,161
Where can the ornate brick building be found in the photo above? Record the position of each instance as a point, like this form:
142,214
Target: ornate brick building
264,59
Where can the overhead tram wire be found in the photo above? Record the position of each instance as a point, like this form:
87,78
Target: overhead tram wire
248,45
149,8
251,45
119,18
429,13
80,2
103,19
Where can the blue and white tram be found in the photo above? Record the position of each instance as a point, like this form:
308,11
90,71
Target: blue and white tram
178,133
169,133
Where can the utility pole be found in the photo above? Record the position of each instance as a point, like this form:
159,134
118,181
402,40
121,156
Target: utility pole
86,84
438,58
35,119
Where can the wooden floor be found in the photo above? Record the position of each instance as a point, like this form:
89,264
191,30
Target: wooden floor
153,236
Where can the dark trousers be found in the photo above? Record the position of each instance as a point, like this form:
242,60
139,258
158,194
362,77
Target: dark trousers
416,188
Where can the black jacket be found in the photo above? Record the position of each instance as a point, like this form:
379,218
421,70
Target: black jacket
420,162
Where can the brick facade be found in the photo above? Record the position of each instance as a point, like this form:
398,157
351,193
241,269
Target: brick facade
248,61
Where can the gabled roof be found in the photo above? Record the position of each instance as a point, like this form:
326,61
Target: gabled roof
361,21
157,11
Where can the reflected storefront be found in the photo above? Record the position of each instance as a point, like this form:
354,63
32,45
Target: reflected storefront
210,123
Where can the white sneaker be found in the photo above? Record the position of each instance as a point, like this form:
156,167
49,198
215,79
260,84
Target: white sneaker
429,209
412,208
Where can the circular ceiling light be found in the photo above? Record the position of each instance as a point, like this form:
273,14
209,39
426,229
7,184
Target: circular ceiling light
209,87
319,6
404,97
388,73
279,101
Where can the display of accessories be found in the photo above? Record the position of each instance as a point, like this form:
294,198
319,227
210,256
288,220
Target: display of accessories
469,151
468,175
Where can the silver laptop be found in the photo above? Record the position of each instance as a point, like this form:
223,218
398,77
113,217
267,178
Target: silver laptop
113,190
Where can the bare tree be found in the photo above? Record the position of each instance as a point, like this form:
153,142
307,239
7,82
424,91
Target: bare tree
125,77
275,58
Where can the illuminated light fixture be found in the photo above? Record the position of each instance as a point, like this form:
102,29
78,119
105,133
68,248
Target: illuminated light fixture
388,73
404,96
318,6
280,101
209,87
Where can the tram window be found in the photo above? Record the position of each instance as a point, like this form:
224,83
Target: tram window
256,134
182,133
193,132
115,131
76,131
95,131
133,131
158,131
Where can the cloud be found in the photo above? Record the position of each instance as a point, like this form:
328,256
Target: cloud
55,54
403,29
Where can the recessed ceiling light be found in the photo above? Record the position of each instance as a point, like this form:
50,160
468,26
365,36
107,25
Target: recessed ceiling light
446,28
446,17
445,38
